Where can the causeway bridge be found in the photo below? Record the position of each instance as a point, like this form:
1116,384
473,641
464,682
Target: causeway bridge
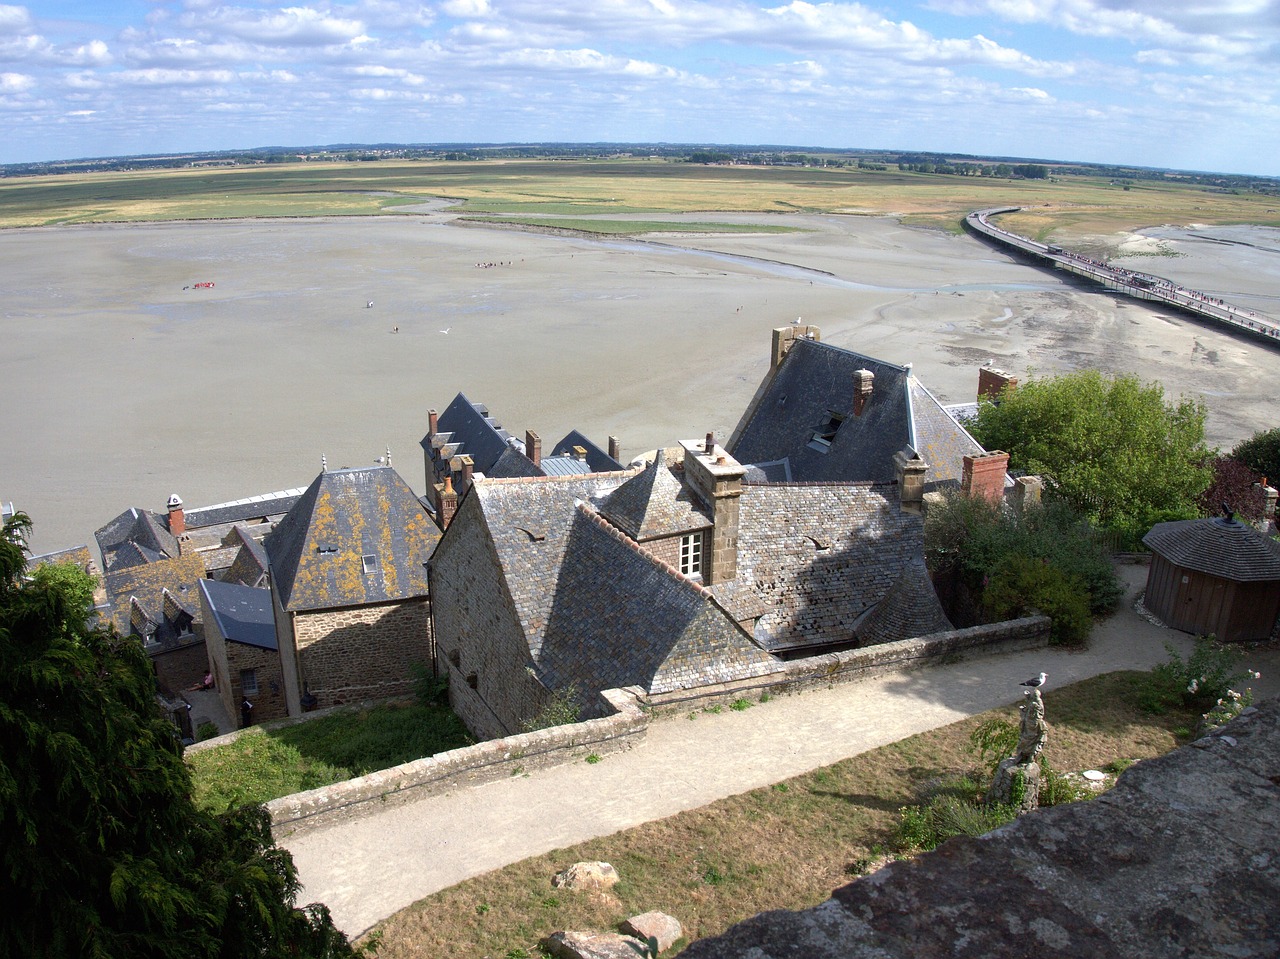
1141,286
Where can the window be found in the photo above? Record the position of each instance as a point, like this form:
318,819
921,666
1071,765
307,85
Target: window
249,682
826,432
370,563
691,554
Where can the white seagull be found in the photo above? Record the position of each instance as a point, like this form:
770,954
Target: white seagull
1035,683
446,330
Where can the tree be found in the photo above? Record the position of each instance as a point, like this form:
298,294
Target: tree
1261,453
1112,448
1235,486
102,850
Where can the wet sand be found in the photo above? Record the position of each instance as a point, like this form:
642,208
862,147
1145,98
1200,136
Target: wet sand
120,384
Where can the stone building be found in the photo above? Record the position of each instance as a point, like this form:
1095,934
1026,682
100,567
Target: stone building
677,578
348,574
244,657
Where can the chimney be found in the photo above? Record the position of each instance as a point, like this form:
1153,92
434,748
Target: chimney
468,469
177,516
615,449
784,337
993,382
1026,492
710,446
533,447
910,471
446,502
716,477
433,423
863,385
983,476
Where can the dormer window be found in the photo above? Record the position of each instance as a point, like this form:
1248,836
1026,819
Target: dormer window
370,562
825,433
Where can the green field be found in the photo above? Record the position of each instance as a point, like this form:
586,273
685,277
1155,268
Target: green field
1062,207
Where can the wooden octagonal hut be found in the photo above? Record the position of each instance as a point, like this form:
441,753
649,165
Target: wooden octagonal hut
1214,576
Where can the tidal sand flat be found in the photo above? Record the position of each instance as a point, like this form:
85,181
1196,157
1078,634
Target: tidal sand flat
123,380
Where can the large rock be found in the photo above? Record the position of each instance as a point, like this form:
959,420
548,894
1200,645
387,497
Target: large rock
1180,859
589,876
1016,784
656,925
593,945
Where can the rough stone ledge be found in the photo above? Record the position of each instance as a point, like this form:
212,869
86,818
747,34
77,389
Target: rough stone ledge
1180,859
470,765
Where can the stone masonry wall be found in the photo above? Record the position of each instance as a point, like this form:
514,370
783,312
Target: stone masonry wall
624,727
363,652
268,702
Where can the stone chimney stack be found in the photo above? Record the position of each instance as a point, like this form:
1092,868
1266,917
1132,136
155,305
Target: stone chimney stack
433,423
784,337
1026,492
716,477
992,382
983,476
615,449
863,385
177,516
533,447
446,502
910,471
468,467
580,454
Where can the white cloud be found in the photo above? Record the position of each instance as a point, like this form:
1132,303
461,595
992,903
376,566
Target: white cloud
93,53
156,76
16,82
290,26
14,19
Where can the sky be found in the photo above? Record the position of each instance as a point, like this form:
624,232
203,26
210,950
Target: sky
1183,84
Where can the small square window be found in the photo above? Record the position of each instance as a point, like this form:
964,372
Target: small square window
691,554
248,682
825,433
370,562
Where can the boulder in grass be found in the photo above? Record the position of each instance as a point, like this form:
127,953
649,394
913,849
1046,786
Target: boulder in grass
660,927
593,945
589,876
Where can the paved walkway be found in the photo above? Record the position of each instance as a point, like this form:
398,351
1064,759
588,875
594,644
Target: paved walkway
367,868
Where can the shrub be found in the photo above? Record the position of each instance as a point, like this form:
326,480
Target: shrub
1199,682
205,731
561,709
1261,453
1020,585
994,740
928,825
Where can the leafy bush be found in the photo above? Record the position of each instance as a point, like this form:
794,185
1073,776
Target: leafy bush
1261,453
994,740
1057,789
1198,682
947,814
562,709
205,731
1021,585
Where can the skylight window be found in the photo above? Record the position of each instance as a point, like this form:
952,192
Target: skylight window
825,433
370,562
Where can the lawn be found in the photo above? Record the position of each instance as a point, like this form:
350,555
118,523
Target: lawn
264,764
782,847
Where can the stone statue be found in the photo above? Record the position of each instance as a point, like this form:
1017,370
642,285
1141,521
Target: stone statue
1034,732
1017,779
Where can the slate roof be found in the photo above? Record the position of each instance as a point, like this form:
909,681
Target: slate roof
134,537
1228,549
655,503
598,460
596,609
79,555
152,586
316,552
815,381
250,565
243,614
466,428
250,508
815,559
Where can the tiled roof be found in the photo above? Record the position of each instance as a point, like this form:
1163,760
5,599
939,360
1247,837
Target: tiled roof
243,614
318,551
79,555
655,503
597,459
814,559
910,608
812,392
148,582
251,563
472,432
775,471
135,536
1228,549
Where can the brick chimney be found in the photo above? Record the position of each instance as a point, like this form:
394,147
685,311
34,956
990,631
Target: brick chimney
533,447
863,385
784,337
910,471
433,423
446,502
984,476
615,449
717,478
993,382
177,516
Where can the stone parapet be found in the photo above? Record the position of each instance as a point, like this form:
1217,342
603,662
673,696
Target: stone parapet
469,766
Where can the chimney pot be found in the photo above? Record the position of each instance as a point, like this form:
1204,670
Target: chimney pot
433,422
711,442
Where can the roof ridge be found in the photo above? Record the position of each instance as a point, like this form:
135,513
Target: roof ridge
514,480
874,359
590,513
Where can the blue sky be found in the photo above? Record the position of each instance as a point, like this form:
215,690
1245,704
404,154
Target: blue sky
1188,84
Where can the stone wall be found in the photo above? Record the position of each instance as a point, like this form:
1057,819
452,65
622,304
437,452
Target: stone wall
363,652
179,663
1181,858
624,727
268,701
855,664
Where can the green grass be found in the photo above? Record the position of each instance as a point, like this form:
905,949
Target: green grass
266,764
627,227
784,846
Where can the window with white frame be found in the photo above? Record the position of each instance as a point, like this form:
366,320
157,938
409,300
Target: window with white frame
248,682
691,554
370,562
